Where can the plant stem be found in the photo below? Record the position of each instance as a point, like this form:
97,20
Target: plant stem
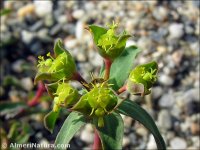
108,64
80,79
122,89
40,91
97,141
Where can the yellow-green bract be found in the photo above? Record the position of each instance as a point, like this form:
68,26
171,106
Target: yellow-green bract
142,78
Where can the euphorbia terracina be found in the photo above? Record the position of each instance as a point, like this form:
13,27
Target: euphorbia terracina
98,102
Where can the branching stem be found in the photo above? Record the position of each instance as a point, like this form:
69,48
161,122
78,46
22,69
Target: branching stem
122,89
97,141
41,89
80,79
108,64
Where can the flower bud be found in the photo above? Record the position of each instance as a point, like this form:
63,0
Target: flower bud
109,44
142,78
62,67
65,96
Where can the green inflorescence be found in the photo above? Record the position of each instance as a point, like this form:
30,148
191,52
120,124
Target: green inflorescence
145,74
99,101
65,95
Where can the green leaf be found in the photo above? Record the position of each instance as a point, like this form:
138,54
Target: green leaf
111,134
97,32
122,66
58,47
5,12
10,109
71,125
50,120
133,110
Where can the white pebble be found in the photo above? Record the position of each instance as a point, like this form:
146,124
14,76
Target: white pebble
27,36
43,8
27,83
164,119
178,143
176,30
86,136
165,80
78,14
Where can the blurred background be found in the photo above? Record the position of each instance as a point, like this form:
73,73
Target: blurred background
166,31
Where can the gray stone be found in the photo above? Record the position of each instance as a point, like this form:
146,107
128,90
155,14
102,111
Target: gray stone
62,19
176,30
42,34
164,120
17,66
81,57
142,131
78,14
43,8
87,136
126,141
55,29
79,30
167,100
151,143
27,83
37,26
191,94
27,36
95,59
165,80
178,143
156,92
49,20
160,13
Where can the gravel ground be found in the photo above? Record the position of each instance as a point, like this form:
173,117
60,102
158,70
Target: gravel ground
166,31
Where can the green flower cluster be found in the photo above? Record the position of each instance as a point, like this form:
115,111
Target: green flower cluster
62,67
142,78
99,99
110,45
97,102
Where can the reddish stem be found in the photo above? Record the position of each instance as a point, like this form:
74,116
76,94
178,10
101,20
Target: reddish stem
97,141
108,64
80,79
122,89
41,89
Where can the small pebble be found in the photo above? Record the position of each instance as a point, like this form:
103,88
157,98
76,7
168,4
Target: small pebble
86,136
178,143
164,119
176,30
27,83
165,80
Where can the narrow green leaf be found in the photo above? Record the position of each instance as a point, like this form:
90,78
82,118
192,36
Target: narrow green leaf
111,134
122,66
50,120
5,106
71,125
133,110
